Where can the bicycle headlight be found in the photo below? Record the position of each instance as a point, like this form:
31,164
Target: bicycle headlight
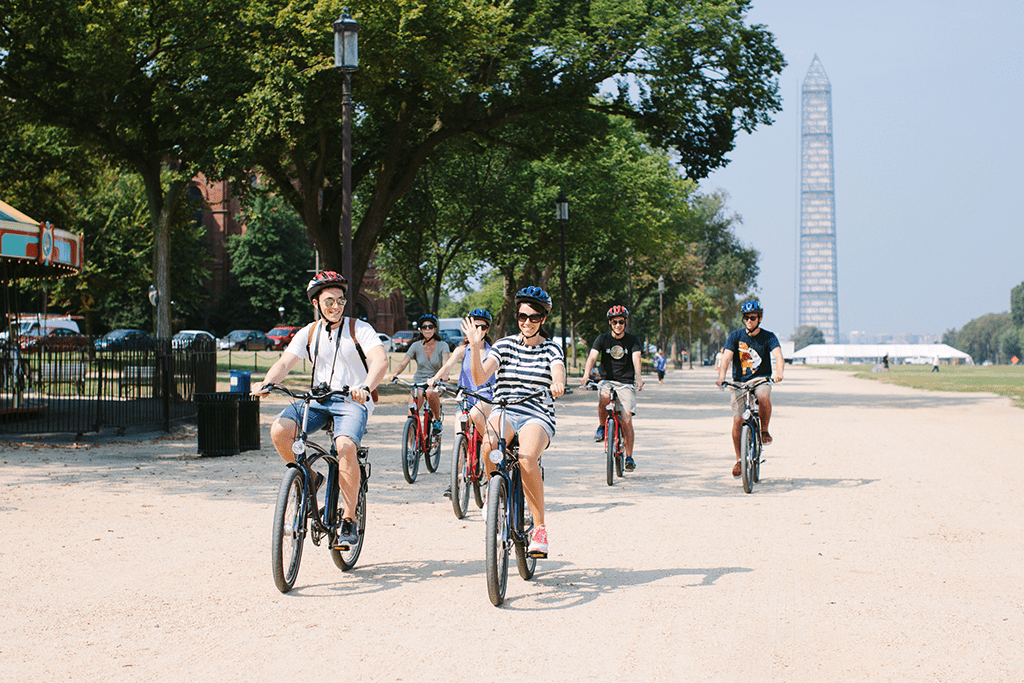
298,447
746,414
496,456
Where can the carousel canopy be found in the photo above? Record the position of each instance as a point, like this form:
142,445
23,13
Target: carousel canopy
33,250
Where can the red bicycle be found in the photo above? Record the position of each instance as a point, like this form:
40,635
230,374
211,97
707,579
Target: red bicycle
418,437
467,466
614,442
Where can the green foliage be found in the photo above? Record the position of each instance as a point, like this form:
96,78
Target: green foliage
805,335
270,264
1017,305
981,338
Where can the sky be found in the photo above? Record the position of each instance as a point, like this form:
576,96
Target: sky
928,111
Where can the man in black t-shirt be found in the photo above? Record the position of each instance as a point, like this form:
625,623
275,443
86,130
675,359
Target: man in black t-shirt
620,363
752,353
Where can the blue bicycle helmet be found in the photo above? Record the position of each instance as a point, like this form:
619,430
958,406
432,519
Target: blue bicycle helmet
425,317
752,307
481,314
534,295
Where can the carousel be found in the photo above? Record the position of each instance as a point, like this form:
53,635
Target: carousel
29,250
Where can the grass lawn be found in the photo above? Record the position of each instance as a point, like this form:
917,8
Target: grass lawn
1005,380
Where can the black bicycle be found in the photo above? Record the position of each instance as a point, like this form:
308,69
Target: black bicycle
508,520
298,511
750,434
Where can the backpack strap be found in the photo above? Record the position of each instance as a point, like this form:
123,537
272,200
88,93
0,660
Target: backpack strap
362,356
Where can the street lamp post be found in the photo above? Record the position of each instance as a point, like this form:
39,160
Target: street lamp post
562,206
689,331
661,311
346,58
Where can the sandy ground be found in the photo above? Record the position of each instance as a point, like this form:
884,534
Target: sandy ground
884,544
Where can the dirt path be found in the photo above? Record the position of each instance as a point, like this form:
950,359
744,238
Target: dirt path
884,544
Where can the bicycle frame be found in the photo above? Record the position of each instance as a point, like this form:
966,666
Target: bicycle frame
750,455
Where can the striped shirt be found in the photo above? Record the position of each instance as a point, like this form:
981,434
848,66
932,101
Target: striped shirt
524,370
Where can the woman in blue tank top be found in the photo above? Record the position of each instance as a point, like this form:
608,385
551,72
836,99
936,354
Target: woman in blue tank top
481,411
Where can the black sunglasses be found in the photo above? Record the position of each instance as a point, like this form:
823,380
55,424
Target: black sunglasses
427,327
532,317
752,316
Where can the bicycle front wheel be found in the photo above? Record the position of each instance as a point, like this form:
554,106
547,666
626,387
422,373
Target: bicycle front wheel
410,451
346,559
609,450
289,530
748,450
460,476
755,463
497,534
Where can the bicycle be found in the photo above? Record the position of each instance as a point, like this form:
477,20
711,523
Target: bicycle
418,437
467,465
508,520
297,504
750,434
614,441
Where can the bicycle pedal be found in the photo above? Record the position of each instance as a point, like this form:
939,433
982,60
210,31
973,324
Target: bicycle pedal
537,554
340,546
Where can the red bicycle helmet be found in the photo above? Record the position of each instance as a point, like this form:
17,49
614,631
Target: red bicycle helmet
323,280
617,312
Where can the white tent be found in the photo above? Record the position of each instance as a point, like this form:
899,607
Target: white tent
857,354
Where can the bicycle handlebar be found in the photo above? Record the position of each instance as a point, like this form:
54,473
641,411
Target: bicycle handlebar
747,387
317,393
500,402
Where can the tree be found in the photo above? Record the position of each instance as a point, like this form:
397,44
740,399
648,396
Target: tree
1017,305
689,75
805,335
980,337
137,83
269,264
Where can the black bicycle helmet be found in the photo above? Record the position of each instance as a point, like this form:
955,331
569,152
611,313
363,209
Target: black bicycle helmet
481,314
425,317
752,307
323,280
536,296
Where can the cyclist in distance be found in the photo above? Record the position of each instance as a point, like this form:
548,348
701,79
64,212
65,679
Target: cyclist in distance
751,351
430,354
620,363
480,411
344,352
523,364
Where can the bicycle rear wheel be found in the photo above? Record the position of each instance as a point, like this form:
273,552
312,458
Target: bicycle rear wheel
527,564
432,457
289,530
497,535
609,450
410,451
460,476
346,559
747,452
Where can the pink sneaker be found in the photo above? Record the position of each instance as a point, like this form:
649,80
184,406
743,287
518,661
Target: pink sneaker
539,543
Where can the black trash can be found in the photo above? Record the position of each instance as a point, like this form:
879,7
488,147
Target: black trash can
228,423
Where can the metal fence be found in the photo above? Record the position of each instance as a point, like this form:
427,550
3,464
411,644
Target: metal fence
75,388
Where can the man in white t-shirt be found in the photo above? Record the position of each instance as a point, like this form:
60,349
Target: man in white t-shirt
344,353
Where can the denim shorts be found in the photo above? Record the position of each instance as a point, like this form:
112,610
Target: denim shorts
520,420
349,417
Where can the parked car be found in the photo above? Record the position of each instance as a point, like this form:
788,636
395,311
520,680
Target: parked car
245,340
56,339
281,336
386,341
401,341
117,340
453,337
187,338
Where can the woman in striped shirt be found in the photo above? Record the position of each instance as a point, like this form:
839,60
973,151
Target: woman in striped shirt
524,364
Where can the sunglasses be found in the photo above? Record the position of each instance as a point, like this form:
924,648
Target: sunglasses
482,327
532,317
331,303
427,327
752,316
618,321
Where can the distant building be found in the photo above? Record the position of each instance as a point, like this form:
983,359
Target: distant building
860,354
220,217
819,296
